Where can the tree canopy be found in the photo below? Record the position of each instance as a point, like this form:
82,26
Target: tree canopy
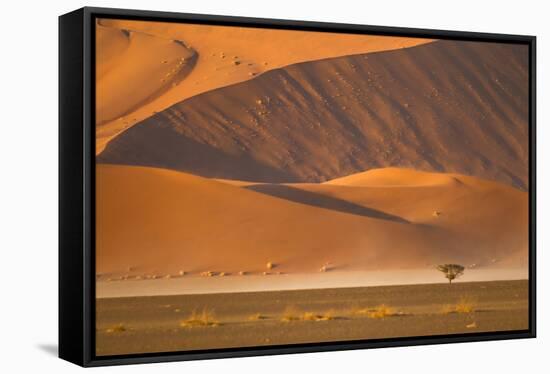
451,271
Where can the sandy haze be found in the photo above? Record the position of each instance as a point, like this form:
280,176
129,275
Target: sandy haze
198,285
215,56
446,106
153,222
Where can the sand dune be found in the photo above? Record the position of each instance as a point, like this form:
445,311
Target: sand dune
395,177
470,207
123,58
227,55
447,106
159,222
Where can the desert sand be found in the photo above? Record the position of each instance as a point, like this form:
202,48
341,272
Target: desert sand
154,223
215,56
163,323
125,56
263,187
445,106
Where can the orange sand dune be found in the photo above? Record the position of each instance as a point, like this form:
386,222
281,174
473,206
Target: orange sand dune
411,194
395,177
158,221
446,106
225,55
134,68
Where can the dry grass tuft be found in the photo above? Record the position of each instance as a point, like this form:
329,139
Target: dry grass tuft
117,328
203,319
257,317
379,312
309,316
291,314
464,305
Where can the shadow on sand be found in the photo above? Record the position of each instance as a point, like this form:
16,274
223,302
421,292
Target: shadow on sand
322,201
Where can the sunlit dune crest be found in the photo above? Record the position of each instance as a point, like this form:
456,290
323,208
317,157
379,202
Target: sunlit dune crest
396,177
445,106
215,56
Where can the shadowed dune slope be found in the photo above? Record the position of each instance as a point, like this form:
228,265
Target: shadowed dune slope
162,221
446,106
227,55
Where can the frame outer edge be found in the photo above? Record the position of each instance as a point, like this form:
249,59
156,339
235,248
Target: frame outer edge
71,256
86,280
533,186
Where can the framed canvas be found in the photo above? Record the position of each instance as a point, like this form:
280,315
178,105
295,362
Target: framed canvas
236,186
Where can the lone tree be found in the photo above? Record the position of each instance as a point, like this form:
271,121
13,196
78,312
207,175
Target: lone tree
451,271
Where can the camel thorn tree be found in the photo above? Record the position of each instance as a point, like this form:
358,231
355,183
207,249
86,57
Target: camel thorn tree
451,271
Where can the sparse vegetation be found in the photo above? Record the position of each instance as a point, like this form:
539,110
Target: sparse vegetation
464,305
309,316
291,314
118,328
202,319
451,271
381,311
257,317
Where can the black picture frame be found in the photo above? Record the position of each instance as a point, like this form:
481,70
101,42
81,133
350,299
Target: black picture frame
77,181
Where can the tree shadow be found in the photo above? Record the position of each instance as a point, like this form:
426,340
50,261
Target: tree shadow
322,201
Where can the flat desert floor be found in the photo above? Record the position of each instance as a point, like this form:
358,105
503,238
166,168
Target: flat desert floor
127,325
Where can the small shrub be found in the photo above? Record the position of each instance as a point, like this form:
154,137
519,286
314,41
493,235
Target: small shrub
379,312
290,314
205,318
257,317
309,316
464,305
117,328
